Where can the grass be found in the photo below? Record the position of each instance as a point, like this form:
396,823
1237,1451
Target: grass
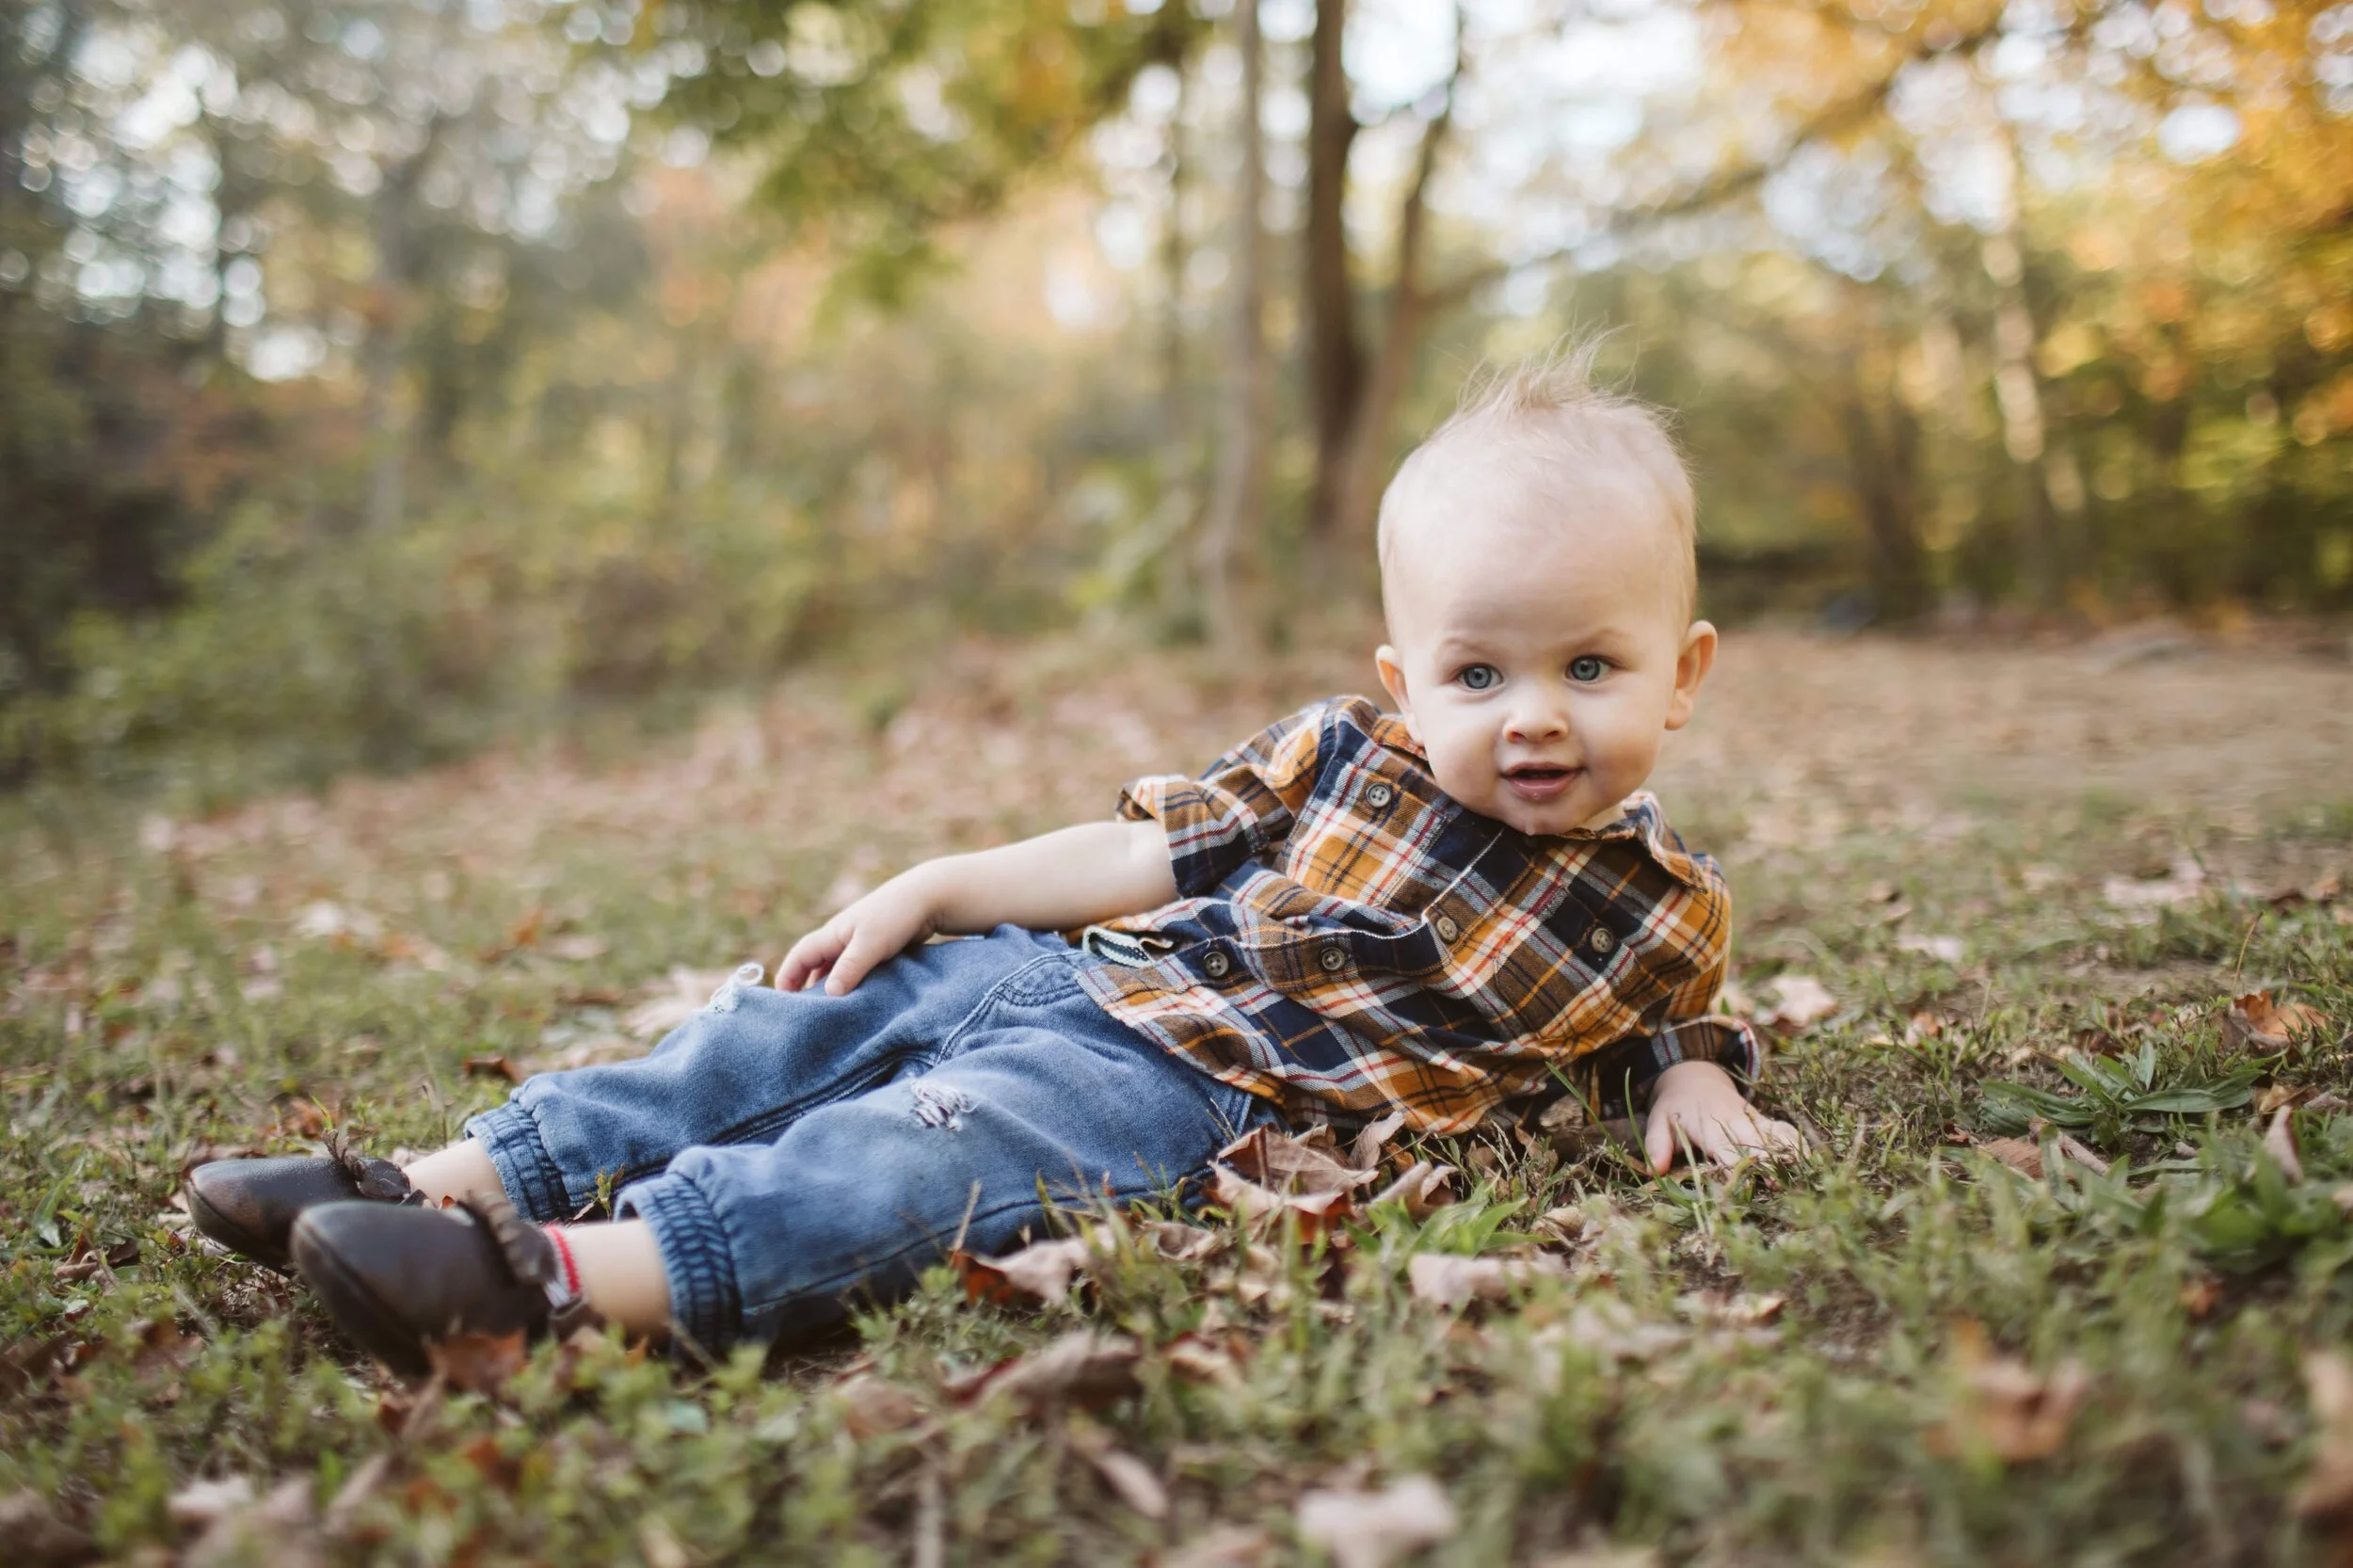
1897,1349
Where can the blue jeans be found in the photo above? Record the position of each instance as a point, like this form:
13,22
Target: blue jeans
793,1150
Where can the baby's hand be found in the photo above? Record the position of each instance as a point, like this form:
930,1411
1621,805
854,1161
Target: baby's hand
845,949
1697,1104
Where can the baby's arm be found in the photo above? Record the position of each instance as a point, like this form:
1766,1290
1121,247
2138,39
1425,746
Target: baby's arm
1072,878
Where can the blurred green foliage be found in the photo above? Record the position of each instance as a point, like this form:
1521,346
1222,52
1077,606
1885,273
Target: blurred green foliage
380,376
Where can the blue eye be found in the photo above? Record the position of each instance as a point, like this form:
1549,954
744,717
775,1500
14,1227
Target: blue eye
1480,678
1588,668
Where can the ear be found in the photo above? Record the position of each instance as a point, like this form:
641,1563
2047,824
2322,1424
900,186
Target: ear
1691,666
1393,681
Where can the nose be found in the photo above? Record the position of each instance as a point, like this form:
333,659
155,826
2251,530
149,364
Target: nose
1536,718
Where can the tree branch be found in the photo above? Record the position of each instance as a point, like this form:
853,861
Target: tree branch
1845,115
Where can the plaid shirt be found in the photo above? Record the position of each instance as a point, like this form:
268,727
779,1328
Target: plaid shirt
1348,940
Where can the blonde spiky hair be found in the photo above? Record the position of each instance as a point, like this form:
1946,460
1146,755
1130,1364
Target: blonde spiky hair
1549,417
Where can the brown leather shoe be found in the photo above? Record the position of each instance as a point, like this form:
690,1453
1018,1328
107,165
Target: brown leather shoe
398,1278
248,1206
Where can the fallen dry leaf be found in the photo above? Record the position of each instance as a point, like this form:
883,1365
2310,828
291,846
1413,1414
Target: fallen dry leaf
477,1363
2327,1488
1795,1002
1082,1368
2256,1022
493,1066
1369,1145
1132,1481
2081,1156
871,1406
1307,1163
1421,1188
1945,950
2003,1407
1040,1272
576,949
202,1502
2279,1141
1371,1529
1313,1213
37,1537
1194,1356
1227,1546
2019,1155
1448,1281
2184,883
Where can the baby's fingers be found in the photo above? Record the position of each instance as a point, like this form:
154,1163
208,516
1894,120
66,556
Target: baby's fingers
811,956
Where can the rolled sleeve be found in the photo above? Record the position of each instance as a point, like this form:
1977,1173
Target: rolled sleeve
1240,808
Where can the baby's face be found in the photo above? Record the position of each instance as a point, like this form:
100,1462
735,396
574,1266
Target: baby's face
1541,652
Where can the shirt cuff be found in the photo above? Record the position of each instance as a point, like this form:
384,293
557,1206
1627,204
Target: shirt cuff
1206,836
1625,1076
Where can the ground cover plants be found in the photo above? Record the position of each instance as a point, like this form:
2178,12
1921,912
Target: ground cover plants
2055,943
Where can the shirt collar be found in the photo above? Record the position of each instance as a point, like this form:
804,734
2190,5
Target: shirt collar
1640,819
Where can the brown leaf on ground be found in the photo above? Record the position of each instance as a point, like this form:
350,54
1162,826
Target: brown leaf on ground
1371,1144
1314,1213
279,1530
357,1489
1040,1272
1795,1002
576,949
1132,1481
205,1502
1225,1547
1421,1188
1448,1281
2255,1022
478,1363
871,1406
494,1465
1733,1311
2019,1155
2075,1151
2003,1407
163,1348
1307,1163
2327,1488
2185,882
37,1537
1082,1368
2279,1142
493,1066
1372,1530
1202,1359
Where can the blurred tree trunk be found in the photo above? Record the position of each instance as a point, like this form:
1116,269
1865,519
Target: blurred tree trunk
1179,479
392,290
1884,450
1240,497
1349,469
1334,356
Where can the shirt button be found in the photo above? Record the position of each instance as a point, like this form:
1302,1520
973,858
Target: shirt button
1332,958
1603,940
1379,795
1448,930
1216,965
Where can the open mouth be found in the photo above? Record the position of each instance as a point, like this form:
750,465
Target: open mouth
1539,780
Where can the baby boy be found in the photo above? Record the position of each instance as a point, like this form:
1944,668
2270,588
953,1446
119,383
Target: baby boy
1460,910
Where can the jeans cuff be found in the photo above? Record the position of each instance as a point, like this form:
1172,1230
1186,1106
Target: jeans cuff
511,1138
704,1303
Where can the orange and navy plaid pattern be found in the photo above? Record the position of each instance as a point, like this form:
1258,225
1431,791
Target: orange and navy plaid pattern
1349,941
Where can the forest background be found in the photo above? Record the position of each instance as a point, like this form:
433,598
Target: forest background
376,377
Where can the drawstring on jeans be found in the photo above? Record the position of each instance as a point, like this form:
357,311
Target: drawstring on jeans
723,998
